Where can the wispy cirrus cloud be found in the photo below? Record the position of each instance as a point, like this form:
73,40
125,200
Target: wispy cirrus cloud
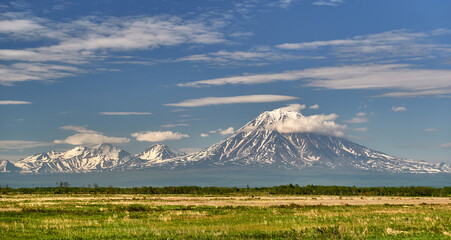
124,113
89,38
248,79
362,129
259,56
360,117
330,3
174,125
21,72
246,7
21,144
13,102
207,101
398,44
79,129
409,81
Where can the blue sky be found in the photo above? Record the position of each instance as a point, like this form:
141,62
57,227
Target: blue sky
188,73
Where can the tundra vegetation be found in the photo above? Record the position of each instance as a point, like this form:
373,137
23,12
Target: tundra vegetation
64,213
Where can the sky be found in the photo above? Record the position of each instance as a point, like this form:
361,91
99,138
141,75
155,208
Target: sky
190,73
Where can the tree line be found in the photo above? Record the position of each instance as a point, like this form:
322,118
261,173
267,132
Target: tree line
290,189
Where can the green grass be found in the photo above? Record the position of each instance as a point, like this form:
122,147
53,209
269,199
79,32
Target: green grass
42,217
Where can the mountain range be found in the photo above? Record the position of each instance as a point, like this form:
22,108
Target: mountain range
258,144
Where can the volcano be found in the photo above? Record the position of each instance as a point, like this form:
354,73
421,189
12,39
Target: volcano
273,140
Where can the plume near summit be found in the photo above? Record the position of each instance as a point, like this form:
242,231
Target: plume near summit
279,139
229,119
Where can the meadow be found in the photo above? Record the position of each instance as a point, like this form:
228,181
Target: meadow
184,216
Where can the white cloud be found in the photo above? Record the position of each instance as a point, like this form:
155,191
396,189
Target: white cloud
360,117
11,102
129,33
316,106
446,145
90,39
204,135
247,79
231,100
314,45
362,129
331,3
21,144
388,76
21,72
175,125
400,44
114,33
18,25
293,107
158,136
227,131
88,137
91,139
221,131
398,109
124,113
430,130
43,55
241,34
320,124
250,57
79,129
412,82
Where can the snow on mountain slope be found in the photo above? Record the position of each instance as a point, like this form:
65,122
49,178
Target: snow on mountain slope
158,152
151,156
79,159
260,144
8,167
278,139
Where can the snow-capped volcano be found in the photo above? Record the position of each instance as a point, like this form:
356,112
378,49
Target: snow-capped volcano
159,152
155,154
79,159
278,139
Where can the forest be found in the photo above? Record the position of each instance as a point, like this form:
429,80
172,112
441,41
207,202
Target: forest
290,189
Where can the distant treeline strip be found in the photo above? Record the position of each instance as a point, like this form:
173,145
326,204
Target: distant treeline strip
63,188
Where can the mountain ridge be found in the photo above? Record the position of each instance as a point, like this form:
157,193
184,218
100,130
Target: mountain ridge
275,139
259,143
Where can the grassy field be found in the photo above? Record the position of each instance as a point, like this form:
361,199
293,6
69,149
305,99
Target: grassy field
218,217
